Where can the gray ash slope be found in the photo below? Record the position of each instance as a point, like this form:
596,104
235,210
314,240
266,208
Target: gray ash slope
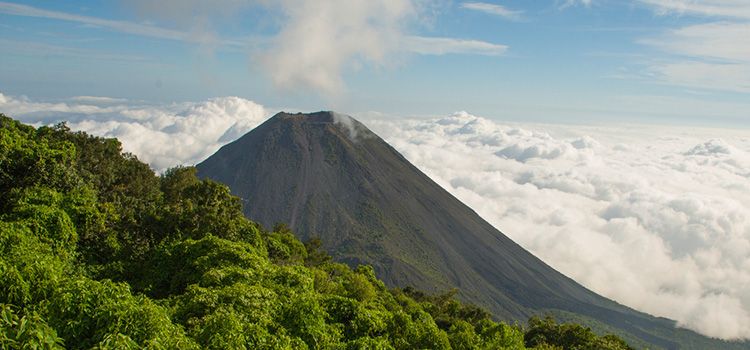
328,176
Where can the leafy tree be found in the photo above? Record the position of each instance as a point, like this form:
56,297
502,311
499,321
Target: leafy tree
284,247
98,252
546,332
26,332
315,255
27,160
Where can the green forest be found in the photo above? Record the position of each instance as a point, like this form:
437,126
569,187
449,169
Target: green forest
99,252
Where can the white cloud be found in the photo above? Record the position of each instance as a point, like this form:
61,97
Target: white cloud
653,217
442,46
712,147
713,55
704,75
724,41
163,136
714,8
493,9
709,56
739,9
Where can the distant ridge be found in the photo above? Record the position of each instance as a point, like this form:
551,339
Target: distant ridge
328,176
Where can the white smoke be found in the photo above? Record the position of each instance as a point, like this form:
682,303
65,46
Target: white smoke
313,44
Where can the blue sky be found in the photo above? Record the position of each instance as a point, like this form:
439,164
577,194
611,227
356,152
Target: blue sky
670,61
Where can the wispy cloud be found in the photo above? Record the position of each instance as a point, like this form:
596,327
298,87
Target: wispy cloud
494,9
140,29
42,49
733,77
712,56
441,46
709,56
739,9
721,41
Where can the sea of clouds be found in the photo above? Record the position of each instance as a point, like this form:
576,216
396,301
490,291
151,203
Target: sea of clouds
657,218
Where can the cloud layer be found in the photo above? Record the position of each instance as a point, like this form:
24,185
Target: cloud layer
653,217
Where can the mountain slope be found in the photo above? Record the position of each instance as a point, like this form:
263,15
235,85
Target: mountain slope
328,176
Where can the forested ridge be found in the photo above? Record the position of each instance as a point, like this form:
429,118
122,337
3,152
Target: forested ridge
98,252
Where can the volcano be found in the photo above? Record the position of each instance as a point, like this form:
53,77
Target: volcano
327,176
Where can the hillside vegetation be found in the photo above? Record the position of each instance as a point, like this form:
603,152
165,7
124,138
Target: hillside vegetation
98,252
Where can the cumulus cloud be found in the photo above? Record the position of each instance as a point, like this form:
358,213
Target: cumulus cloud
163,136
655,218
713,147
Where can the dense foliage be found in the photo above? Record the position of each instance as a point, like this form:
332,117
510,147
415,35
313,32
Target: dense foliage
98,252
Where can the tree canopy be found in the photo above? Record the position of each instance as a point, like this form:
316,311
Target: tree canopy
98,252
